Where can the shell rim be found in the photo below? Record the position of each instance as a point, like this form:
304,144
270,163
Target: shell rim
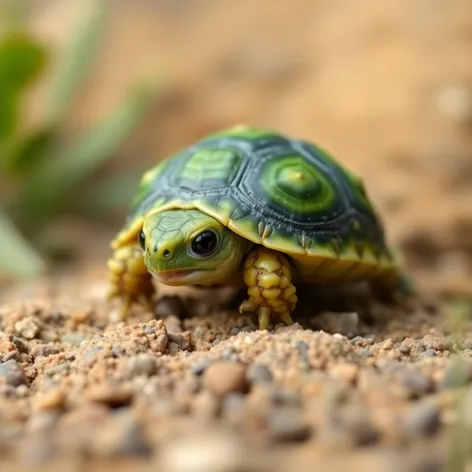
126,236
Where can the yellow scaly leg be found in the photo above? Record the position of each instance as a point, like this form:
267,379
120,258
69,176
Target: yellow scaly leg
267,275
130,279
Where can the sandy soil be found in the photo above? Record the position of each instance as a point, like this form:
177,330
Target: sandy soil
193,386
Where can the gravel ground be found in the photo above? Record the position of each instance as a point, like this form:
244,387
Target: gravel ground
197,387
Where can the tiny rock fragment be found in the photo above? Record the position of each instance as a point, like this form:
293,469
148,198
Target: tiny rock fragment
224,377
287,424
205,405
13,373
181,342
345,371
19,343
121,435
415,383
290,328
27,328
53,399
112,395
173,324
259,373
210,452
80,317
141,364
436,343
201,366
423,419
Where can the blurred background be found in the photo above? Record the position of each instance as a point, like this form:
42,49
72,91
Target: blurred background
92,93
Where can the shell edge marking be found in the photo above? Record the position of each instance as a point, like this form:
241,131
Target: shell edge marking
303,241
264,230
335,245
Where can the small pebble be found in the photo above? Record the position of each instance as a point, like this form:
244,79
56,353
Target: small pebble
223,377
284,397
53,399
290,328
12,355
209,452
205,405
230,354
27,328
200,366
20,344
428,353
435,343
13,373
121,436
423,419
141,364
112,395
404,349
345,371
90,356
173,324
181,341
415,383
233,402
259,373
74,338
287,424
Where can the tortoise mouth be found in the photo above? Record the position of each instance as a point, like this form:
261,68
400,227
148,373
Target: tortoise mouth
177,277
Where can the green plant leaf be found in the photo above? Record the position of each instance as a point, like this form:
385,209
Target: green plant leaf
8,120
22,155
50,187
21,60
77,60
17,258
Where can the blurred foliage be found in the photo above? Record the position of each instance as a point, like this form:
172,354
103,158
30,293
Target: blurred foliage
43,172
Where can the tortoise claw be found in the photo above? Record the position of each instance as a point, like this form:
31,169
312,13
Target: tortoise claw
247,306
286,318
263,315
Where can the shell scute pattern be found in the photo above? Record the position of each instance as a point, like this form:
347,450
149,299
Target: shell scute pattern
286,194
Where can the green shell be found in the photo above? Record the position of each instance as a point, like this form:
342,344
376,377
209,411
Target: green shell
286,194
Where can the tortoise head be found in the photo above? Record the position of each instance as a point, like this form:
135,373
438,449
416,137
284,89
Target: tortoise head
188,247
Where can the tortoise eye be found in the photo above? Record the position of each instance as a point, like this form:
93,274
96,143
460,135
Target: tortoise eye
142,240
205,244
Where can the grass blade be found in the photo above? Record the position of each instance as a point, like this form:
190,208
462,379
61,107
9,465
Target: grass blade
21,60
17,258
50,187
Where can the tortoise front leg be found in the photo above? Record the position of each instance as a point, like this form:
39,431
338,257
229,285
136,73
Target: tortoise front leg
130,279
267,275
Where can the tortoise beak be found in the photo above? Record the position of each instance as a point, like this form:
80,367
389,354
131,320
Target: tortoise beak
173,277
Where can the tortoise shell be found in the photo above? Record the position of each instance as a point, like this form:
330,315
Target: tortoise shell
286,194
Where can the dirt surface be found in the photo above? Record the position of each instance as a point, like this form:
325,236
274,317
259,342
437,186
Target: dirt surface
194,386
197,387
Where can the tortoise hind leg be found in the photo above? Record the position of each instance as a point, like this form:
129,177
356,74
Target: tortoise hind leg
267,275
129,278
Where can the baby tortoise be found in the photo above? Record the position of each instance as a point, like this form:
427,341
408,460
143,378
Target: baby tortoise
250,206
